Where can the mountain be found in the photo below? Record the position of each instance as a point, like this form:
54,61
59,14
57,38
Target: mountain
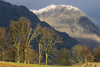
94,21
13,12
71,20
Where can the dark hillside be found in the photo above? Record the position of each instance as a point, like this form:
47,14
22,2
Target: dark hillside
13,12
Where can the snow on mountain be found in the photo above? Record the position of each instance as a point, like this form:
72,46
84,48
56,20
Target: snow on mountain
46,9
69,7
52,6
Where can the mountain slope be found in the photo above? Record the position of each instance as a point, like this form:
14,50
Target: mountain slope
71,20
13,12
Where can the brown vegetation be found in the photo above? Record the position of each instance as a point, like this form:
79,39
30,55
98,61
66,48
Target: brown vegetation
15,46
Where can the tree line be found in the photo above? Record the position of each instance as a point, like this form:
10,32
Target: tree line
15,41
16,46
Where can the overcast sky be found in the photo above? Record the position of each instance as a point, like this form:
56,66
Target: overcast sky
90,7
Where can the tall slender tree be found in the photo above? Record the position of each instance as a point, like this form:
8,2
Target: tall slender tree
29,35
40,51
49,38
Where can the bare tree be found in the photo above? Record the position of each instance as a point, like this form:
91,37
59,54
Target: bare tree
20,32
86,53
76,53
63,57
29,35
49,38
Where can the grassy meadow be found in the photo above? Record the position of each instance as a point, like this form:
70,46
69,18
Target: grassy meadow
11,64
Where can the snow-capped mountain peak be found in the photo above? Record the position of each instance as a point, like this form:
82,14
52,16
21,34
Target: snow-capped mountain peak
52,6
46,9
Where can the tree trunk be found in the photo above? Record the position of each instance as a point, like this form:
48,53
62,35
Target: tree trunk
85,59
25,51
39,53
28,61
28,54
46,58
3,54
18,57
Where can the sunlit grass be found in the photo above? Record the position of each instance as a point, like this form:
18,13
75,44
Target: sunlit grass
12,64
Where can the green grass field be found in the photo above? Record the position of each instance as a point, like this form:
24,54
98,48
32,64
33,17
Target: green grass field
11,64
